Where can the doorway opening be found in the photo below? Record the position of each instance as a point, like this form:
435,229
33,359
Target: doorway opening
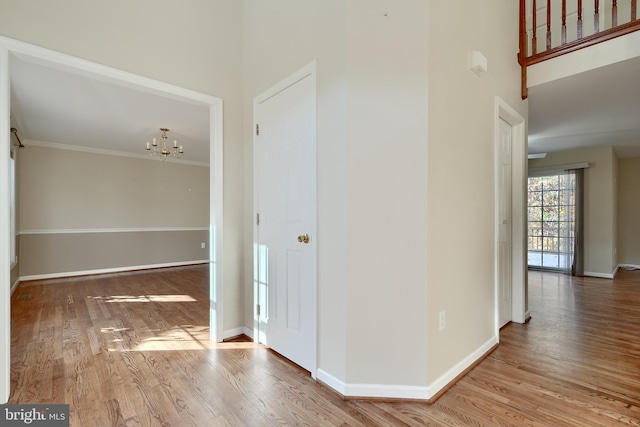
12,49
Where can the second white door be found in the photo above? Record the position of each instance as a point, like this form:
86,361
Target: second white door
504,226
285,186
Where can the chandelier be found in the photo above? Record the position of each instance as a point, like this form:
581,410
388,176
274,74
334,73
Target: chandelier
163,149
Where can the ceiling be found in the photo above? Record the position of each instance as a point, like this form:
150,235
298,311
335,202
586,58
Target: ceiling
53,106
598,107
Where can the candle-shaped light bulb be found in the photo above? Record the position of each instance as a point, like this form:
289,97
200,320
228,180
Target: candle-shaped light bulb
148,148
180,150
175,143
155,144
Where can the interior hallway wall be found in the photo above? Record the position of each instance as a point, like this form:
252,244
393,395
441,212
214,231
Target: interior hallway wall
461,231
372,143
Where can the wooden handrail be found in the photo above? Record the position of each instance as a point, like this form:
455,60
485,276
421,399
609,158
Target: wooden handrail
566,47
587,41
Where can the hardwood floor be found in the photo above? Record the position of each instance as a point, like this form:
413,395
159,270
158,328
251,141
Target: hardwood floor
132,350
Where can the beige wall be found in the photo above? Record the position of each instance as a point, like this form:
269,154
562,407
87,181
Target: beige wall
74,206
629,211
387,144
270,54
193,44
372,94
61,254
405,173
599,203
405,152
65,189
461,171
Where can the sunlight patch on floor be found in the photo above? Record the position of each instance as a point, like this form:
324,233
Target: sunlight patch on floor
178,338
145,298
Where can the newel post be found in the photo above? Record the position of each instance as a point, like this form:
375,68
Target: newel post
522,55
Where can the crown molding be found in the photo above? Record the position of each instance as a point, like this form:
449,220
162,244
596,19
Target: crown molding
93,150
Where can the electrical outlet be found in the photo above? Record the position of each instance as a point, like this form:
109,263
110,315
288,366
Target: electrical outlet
203,245
441,320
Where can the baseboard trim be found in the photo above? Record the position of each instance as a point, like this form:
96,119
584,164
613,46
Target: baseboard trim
387,392
331,382
249,332
460,369
242,330
428,394
628,267
372,391
15,286
110,270
599,275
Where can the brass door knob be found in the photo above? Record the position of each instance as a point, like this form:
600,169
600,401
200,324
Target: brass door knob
304,238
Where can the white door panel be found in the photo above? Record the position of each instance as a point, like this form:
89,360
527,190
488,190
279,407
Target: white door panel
285,185
504,219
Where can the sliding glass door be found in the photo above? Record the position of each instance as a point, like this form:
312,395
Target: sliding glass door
551,224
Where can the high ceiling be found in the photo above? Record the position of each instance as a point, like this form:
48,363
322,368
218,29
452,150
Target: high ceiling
48,105
53,106
598,107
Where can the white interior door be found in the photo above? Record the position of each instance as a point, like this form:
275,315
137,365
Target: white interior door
504,225
285,186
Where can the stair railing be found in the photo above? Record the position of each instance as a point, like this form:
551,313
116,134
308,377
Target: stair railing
564,28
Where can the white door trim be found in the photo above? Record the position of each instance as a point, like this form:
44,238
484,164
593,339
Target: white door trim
5,268
307,71
504,224
34,54
518,208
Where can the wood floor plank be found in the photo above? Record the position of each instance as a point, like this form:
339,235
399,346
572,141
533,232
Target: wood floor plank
132,349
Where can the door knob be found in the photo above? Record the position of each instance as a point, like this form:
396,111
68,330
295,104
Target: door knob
304,238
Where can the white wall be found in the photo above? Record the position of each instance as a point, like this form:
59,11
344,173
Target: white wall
405,154
387,100
281,37
405,133
599,204
372,93
461,172
192,44
599,55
